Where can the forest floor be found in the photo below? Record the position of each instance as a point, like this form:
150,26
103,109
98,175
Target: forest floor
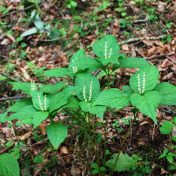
144,29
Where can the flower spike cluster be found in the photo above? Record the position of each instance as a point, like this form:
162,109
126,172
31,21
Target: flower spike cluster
74,68
33,85
141,89
42,105
106,53
90,92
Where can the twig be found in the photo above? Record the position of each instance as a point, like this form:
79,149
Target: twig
6,75
171,59
22,137
4,150
162,55
13,98
13,12
140,21
50,40
142,38
153,131
140,53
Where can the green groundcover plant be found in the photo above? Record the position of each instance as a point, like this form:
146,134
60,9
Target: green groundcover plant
83,93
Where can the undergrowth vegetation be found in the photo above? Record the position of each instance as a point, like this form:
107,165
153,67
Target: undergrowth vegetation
74,101
84,95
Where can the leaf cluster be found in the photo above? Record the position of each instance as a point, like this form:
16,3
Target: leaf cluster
84,94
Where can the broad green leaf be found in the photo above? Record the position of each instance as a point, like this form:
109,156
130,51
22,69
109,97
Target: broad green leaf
87,87
40,101
73,103
59,100
25,113
39,24
52,88
39,117
56,133
113,98
166,127
3,118
93,109
132,62
147,103
30,31
145,79
80,61
58,72
168,92
20,104
87,63
107,49
9,165
127,90
24,87
121,162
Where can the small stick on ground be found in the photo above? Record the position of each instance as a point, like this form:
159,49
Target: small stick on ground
13,98
142,38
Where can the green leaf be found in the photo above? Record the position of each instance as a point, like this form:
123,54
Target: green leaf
145,79
39,24
89,107
113,98
56,134
72,104
20,104
87,87
107,49
59,100
39,117
127,90
58,72
40,101
52,88
121,162
168,92
147,103
9,165
54,33
24,87
80,61
166,127
25,113
39,159
30,31
132,62
3,118
102,6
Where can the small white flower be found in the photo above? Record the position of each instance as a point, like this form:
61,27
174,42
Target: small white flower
141,90
110,53
90,90
44,103
84,93
143,82
107,54
33,85
139,83
106,50
40,102
75,69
